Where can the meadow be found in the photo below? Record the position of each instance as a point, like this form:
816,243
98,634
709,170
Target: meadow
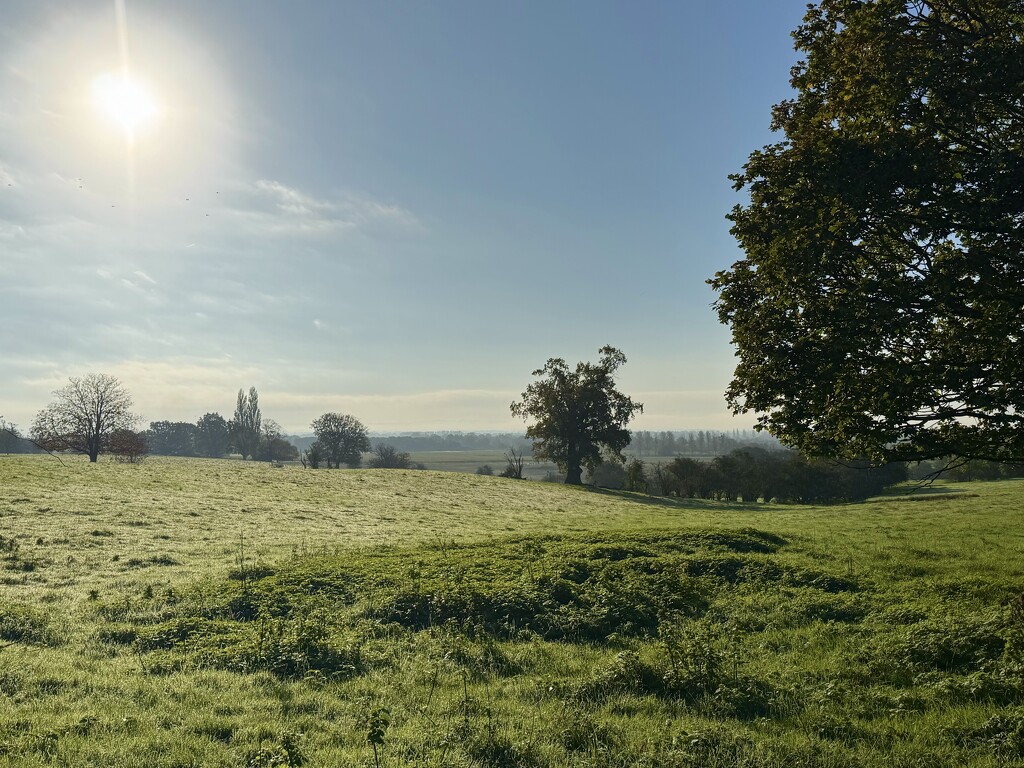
213,613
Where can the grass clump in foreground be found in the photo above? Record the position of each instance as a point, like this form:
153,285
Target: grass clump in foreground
630,633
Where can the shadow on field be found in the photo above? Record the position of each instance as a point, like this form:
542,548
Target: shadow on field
676,503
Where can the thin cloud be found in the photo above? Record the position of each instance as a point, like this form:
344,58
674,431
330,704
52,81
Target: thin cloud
281,209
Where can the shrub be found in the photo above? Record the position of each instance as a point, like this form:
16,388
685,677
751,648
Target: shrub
388,457
636,477
608,474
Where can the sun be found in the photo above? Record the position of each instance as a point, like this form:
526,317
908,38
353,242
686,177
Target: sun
125,101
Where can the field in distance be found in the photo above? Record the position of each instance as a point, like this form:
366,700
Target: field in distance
471,461
225,613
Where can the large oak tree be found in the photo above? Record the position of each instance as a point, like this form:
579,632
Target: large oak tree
577,413
879,306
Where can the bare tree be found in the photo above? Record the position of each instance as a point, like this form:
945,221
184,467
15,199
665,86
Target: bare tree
388,457
83,415
513,464
128,446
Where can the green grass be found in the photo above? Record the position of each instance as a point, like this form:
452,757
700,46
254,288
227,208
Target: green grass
216,613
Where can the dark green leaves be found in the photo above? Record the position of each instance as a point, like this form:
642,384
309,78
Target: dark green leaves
577,413
879,306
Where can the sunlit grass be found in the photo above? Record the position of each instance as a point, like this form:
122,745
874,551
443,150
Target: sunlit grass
840,624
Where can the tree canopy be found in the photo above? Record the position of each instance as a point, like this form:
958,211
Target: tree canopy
577,413
340,439
83,415
877,310
212,436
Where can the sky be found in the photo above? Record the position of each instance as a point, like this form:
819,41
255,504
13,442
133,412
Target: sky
395,210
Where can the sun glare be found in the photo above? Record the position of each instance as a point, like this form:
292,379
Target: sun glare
126,102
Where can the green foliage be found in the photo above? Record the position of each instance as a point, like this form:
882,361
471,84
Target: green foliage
374,722
754,474
286,754
577,413
212,436
876,309
636,476
11,439
1001,734
247,422
340,439
173,438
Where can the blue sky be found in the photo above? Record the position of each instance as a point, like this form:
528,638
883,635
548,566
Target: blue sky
396,210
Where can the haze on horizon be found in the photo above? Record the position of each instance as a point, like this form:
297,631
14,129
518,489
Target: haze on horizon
396,211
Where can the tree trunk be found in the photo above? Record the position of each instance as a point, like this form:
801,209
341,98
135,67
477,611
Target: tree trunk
573,473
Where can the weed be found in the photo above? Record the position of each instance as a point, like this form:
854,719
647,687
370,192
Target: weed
285,753
374,721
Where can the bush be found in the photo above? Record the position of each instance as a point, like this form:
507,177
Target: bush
388,457
127,446
636,477
608,474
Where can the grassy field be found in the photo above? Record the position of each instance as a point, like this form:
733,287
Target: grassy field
470,461
215,613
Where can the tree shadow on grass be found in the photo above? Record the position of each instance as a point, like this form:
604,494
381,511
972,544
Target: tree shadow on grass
668,502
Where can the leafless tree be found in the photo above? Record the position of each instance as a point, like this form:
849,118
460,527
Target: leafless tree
127,446
513,464
388,457
84,414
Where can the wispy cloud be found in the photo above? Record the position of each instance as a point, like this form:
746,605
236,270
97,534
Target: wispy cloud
279,208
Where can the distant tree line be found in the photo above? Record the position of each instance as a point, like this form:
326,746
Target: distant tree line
696,442
12,441
758,474
247,434
954,471
453,441
436,441
213,436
